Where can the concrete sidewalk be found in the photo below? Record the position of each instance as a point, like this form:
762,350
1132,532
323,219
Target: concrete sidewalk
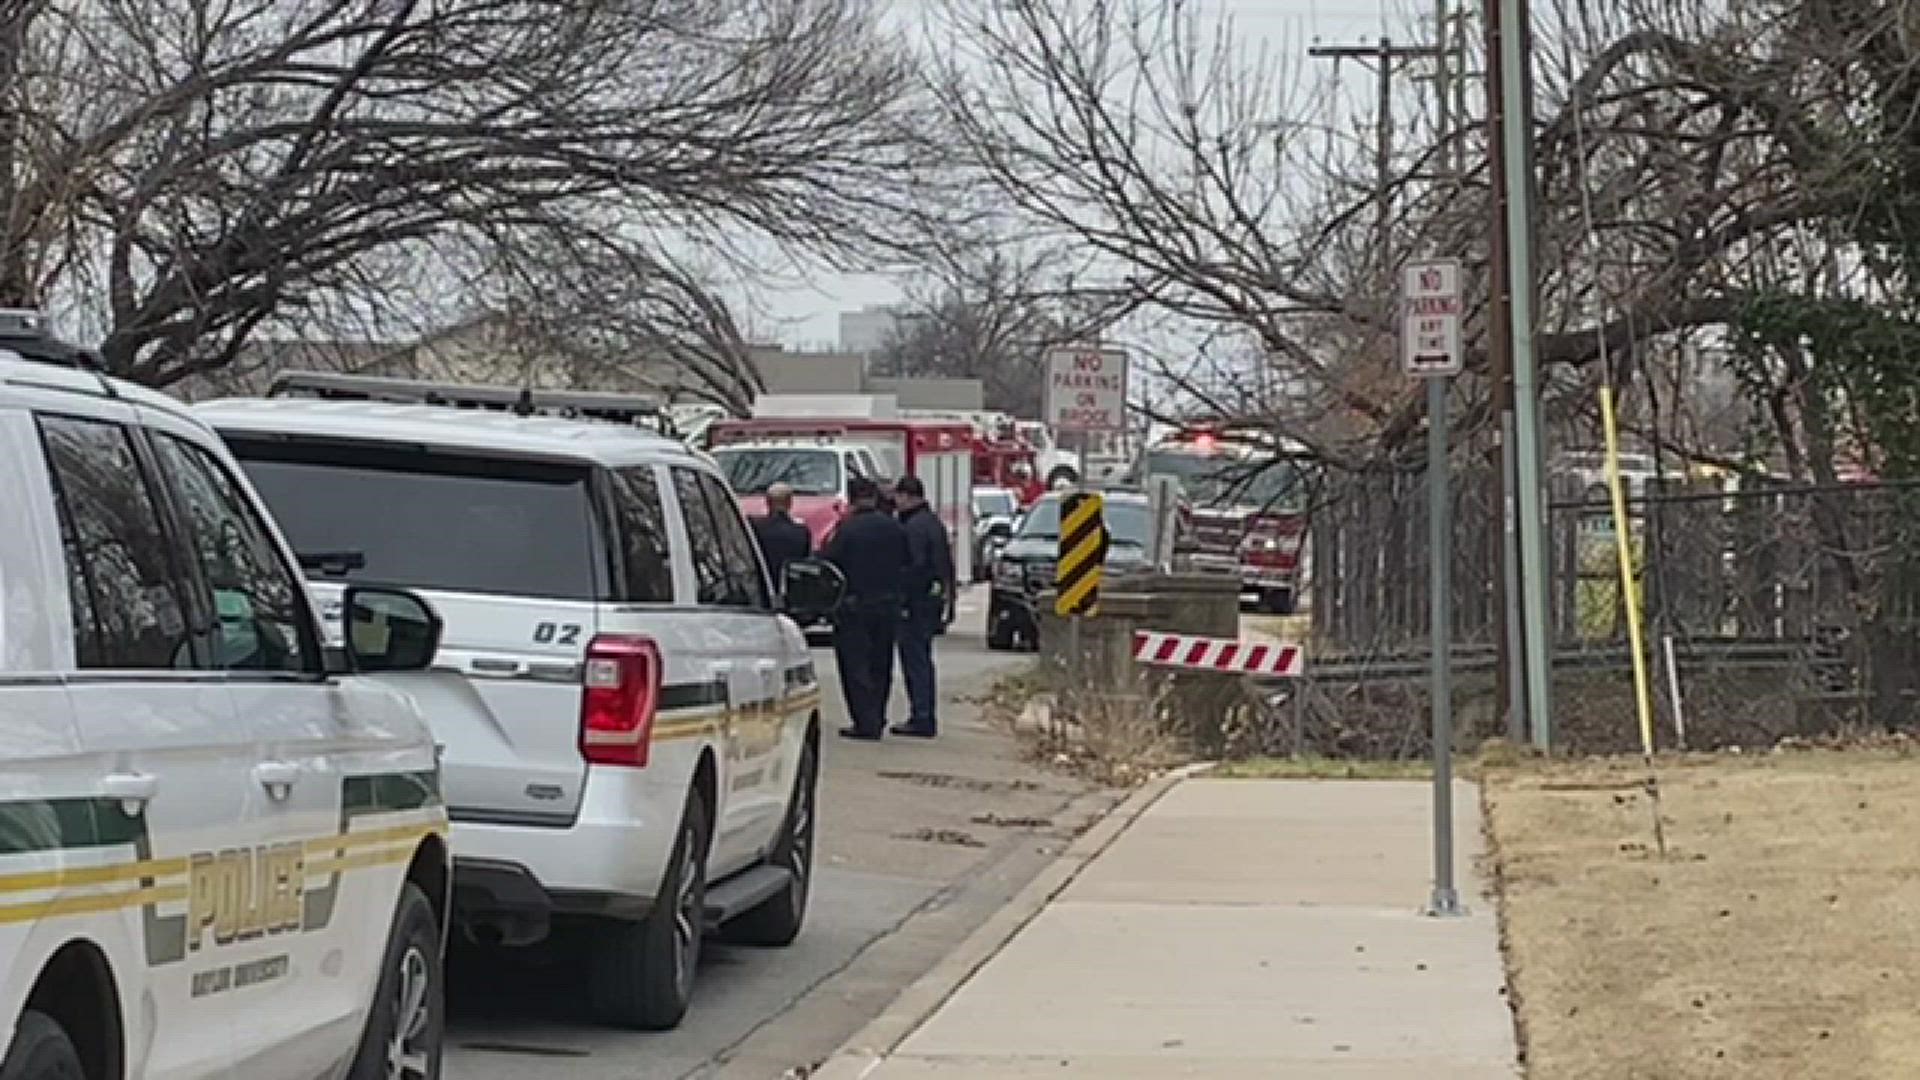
1238,929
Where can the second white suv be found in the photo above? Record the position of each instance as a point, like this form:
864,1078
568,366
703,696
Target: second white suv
633,741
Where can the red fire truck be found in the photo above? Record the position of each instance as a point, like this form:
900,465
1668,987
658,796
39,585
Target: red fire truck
1248,492
1004,460
1003,456
817,456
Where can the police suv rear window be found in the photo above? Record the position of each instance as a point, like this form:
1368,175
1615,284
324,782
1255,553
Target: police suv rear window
432,521
129,592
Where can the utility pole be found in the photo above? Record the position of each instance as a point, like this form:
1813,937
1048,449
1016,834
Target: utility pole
1384,55
1515,91
1512,675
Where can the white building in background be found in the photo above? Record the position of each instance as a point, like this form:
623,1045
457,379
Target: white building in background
867,330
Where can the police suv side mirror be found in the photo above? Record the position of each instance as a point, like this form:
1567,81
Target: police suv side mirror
389,630
811,589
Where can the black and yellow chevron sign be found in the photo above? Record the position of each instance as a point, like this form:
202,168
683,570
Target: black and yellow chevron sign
1083,551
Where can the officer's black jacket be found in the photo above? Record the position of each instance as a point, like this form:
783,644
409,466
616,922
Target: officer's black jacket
870,548
782,540
929,553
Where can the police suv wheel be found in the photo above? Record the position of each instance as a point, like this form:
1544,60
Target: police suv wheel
642,973
778,919
404,1031
41,1050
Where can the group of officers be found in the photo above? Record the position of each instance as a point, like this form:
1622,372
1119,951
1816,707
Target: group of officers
898,564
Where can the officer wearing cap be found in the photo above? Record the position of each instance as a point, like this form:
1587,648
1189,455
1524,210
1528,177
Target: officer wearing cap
870,549
929,587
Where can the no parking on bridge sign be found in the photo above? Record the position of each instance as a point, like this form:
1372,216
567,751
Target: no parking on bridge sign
1087,389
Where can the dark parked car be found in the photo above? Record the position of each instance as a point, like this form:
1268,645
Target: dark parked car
1024,568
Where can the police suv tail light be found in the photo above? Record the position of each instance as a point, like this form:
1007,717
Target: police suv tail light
621,680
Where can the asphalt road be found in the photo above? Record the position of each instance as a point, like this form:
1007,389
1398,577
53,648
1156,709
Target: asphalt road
920,842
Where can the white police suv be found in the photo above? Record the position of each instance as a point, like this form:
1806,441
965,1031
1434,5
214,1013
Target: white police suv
631,727
222,852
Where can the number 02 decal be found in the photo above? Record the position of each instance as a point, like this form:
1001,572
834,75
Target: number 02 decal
547,633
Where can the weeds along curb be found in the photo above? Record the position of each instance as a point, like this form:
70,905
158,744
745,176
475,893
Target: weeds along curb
868,1049
1495,874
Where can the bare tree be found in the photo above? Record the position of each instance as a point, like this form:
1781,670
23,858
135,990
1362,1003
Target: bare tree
1684,150
614,313
990,311
188,172
1210,188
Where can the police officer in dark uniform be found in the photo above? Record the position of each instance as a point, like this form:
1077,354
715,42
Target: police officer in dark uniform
870,548
929,587
782,540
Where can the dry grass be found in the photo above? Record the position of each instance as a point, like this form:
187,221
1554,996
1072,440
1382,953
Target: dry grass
1308,767
1115,740
1776,939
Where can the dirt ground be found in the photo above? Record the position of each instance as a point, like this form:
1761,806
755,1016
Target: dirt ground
1779,936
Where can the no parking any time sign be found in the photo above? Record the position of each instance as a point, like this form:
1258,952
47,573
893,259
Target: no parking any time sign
1087,389
1430,331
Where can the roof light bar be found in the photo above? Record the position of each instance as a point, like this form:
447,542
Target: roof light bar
640,410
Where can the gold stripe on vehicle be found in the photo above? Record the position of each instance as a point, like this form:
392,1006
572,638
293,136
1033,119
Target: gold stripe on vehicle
366,838
691,723
360,860
36,880
324,855
92,903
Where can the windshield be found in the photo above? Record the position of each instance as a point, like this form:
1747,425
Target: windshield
993,504
752,470
497,526
1127,522
1216,479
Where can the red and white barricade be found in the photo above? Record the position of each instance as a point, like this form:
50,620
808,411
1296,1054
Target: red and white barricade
1269,658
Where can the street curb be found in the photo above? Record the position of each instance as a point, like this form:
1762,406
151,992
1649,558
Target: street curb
859,1056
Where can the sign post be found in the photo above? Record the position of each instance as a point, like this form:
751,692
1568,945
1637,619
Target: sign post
1163,509
1086,393
1430,349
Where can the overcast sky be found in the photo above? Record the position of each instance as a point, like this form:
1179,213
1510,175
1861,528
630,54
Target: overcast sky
809,316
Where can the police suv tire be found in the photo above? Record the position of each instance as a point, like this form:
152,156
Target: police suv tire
642,972
999,633
41,1050
778,919
413,954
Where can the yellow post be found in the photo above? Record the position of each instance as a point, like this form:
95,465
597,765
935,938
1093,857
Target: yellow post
1629,586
